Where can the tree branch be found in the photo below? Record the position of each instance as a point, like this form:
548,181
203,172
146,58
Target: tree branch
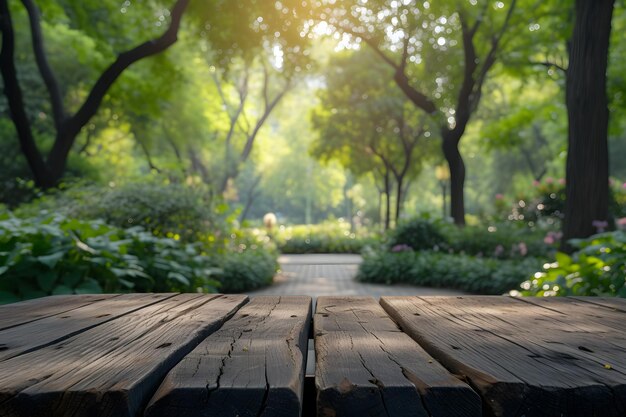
549,64
56,99
123,61
13,93
266,112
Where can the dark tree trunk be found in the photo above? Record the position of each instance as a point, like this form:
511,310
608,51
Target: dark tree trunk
16,101
399,197
455,162
387,201
587,172
48,171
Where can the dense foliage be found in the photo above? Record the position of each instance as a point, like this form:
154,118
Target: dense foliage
436,269
476,259
418,234
597,267
328,237
56,255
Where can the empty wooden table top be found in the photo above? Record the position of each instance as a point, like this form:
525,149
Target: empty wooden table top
229,355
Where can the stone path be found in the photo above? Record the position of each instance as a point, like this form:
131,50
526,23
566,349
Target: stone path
321,274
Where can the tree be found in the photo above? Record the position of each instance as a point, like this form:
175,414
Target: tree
587,171
419,43
48,170
237,107
368,128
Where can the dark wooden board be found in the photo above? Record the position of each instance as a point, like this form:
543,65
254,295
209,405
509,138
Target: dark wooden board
253,366
522,358
366,366
587,316
114,368
613,303
52,329
26,311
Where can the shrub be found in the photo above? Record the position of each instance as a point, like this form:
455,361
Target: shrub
330,237
598,267
436,269
56,255
246,270
502,241
419,234
167,210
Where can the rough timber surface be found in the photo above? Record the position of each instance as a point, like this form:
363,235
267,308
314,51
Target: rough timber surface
40,333
26,311
366,366
524,358
111,369
253,366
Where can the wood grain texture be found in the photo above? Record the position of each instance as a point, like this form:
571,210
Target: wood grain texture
26,311
525,360
614,303
112,369
366,366
253,366
52,329
587,316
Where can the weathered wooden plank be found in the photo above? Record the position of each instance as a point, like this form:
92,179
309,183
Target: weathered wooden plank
114,368
613,303
26,311
52,329
253,366
588,316
513,354
366,366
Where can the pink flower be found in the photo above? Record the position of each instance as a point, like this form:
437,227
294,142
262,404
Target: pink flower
523,249
401,248
537,183
600,225
621,223
552,237
624,186
499,196
562,181
549,180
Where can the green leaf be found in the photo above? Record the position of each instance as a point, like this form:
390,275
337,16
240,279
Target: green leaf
51,260
178,277
90,286
46,280
72,278
8,297
62,290
3,269
563,259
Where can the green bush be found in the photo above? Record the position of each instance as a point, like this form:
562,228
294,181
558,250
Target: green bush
178,211
330,237
437,269
598,267
56,255
246,270
419,234
502,241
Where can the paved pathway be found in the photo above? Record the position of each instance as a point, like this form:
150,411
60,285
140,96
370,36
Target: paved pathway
320,274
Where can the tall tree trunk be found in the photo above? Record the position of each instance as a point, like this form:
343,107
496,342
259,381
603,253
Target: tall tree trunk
48,171
587,172
387,201
455,162
15,99
399,197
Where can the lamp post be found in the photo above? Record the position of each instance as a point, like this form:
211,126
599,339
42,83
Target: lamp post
442,173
